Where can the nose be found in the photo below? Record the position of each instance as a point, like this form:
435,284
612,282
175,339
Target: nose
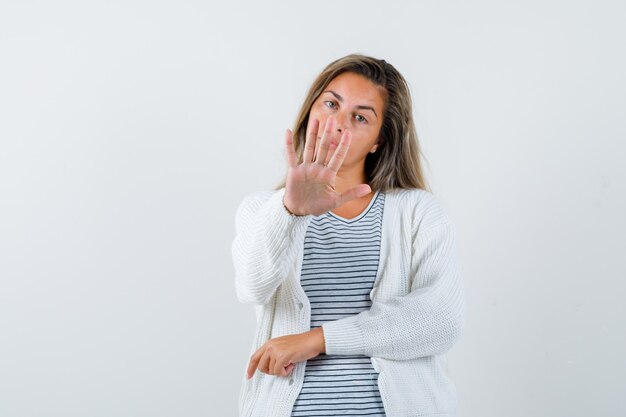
341,120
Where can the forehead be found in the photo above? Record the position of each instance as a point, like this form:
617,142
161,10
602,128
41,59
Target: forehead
356,88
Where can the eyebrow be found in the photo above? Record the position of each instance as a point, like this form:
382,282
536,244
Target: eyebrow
358,107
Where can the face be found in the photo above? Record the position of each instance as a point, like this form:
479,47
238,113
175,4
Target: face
357,105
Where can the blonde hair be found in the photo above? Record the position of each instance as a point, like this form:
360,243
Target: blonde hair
396,162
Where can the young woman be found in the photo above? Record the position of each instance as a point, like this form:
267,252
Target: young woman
351,262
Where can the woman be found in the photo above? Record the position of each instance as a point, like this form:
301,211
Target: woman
350,262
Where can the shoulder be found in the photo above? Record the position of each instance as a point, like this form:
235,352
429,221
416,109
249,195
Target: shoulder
261,203
425,209
258,197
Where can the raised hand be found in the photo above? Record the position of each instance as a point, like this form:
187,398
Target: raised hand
310,186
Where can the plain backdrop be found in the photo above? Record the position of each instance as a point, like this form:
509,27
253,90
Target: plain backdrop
130,131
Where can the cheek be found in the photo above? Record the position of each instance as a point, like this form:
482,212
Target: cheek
322,122
321,113
361,143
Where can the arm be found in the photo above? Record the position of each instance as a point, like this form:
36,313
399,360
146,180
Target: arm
267,239
427,321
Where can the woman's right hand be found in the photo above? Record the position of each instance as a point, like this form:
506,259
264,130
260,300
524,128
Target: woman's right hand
310,186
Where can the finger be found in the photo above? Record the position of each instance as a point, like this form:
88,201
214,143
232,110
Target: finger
332,148
279,368
291,153
254,361
326,139
271,368
354,192
311,137
342,150
264,362
289,368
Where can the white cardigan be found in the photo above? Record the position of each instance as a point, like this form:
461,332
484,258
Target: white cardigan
417,312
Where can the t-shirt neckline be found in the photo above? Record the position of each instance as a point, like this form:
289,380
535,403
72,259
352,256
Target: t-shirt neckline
360,215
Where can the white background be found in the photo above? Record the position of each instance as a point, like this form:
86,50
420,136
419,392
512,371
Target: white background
130,131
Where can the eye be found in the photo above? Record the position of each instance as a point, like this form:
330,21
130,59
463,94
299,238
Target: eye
328,104
361,118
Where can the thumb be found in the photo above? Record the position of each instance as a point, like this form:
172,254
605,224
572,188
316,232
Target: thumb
354,192
287,369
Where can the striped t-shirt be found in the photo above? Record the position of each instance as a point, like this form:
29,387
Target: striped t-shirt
339,267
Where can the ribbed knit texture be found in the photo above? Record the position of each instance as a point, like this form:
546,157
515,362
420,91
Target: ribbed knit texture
339,267
416,315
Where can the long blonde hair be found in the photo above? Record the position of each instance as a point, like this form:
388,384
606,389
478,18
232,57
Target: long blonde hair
396,162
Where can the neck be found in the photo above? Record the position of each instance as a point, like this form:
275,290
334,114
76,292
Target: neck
348,177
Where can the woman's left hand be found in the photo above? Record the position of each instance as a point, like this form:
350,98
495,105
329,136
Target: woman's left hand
278,356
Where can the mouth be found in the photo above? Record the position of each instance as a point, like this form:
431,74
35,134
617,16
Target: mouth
331,145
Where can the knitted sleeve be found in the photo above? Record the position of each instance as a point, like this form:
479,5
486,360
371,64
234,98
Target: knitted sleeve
265,245
426,321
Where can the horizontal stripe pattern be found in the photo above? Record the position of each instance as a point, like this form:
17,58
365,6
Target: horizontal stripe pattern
339,267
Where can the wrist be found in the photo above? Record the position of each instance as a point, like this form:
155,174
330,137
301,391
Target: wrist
291,212
319,332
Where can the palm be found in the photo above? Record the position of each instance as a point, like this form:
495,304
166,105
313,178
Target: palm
313,184
310,186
